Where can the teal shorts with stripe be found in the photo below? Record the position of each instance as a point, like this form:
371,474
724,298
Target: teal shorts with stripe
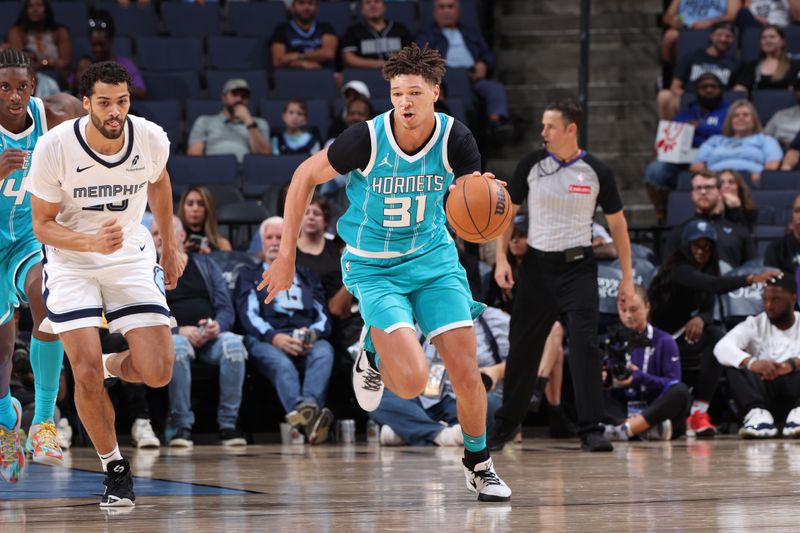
16,259
428,286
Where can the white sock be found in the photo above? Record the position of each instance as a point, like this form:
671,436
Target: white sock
113,455
628,430
106,373
699,406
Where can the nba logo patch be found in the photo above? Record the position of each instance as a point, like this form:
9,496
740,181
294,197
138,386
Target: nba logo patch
158,278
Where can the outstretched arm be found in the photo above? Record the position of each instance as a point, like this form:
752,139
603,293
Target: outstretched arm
60,107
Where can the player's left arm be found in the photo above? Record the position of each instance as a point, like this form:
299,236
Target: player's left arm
60,107
159,197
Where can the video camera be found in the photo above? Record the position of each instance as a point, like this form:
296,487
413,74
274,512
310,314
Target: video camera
617,346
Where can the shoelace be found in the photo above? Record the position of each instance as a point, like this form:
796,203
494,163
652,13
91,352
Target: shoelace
488,477
47,436
8,446
372,380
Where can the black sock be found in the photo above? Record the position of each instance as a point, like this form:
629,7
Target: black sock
473,458
371,361
541,384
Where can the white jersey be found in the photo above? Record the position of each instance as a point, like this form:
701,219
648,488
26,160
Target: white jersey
93,188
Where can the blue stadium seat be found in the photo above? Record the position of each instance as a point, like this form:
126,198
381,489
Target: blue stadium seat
778,199
458,110
168,54
237,53
190,20
751,42
239,221
319,114
224,194
469,13
685,181
123,46
305,84
608,279
768,102
259,171
378,87
134,20
744,302
680,207
73,15
775,179
257,79
404,13
177,84
166,113
9,11
337,14
187,170
458,85
257,19
690,41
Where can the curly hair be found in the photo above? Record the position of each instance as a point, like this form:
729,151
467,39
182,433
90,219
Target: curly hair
415,61
109,72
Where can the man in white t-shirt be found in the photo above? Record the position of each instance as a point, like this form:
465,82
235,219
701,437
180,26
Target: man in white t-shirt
90,181
761,356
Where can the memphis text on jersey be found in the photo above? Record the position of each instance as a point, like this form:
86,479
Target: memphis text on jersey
107,191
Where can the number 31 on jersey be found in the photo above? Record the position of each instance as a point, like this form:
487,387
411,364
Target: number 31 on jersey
397,213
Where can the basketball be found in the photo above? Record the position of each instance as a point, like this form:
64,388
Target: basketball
478,209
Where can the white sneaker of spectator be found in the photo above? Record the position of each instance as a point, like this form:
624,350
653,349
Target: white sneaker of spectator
390,438
143,435
450,436
792,426
661,431
758,424
64,434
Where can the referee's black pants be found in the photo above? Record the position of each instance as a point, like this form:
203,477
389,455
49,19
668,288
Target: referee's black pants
549,287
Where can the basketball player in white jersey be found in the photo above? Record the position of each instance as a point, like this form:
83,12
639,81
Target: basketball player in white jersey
90,180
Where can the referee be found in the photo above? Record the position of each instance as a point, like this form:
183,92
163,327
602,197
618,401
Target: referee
558,276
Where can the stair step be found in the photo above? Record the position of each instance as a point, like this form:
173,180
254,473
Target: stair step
559,7
523,22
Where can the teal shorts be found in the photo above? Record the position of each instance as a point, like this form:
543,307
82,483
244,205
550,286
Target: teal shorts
428,286
16,259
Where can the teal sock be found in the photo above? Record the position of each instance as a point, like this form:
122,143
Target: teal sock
475,444
8,416
46,361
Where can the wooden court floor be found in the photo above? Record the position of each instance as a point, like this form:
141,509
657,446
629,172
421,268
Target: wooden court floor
721,485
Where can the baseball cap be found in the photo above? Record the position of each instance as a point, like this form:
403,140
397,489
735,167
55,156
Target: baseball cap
236,84
358,86
521,224
699,229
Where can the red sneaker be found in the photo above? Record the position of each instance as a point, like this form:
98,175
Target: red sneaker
700,425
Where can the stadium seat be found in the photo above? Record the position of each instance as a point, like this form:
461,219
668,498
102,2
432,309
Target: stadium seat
690,41
260,171
337,14
257,79
680,207
319,114
135,20
768,102
741,303
122,46
9,11
373,78
237,53
608,279
751,42
775,179
404,13
73,15
240,220
271,199
775,198
305,84
176,84
190,20
166,113
643,252
169,54
224,194
187,170
256,19
458,85
766,214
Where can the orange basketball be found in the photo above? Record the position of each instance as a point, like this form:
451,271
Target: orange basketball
478,209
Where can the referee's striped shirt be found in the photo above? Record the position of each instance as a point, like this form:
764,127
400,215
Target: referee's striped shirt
562,198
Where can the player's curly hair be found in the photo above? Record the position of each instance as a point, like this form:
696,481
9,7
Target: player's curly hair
14,58
107,72
416,61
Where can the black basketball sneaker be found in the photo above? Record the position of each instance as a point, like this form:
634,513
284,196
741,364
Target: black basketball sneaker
119,485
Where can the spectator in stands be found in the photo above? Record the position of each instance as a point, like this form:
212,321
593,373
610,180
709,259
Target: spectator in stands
293,139
37,30
304,42
774,69
655,380
517,248
716,58
101,37
784,254
682,296
201,304
350,90
760,356
288,335
742,146
792,157
602,243
464,47
357,109
706,114
431,417
232,131
196,211
739,204
682,15
785,124
369,43
757,13
45,85
733,241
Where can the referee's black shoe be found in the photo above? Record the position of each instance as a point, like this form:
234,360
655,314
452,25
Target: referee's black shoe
596,442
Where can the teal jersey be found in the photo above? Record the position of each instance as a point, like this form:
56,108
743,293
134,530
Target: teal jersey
15,205
396,199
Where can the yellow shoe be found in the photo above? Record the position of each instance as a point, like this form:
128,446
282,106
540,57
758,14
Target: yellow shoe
12,454
43,445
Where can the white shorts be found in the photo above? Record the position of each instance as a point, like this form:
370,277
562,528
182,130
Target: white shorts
130,293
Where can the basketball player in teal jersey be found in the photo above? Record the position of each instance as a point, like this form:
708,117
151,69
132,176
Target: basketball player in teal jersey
400,261
23,119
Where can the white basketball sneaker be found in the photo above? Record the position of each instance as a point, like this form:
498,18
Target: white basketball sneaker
367,382
484,481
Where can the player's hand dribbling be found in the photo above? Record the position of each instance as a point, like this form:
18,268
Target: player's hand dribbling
173,262
278,277
108,238
10,160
